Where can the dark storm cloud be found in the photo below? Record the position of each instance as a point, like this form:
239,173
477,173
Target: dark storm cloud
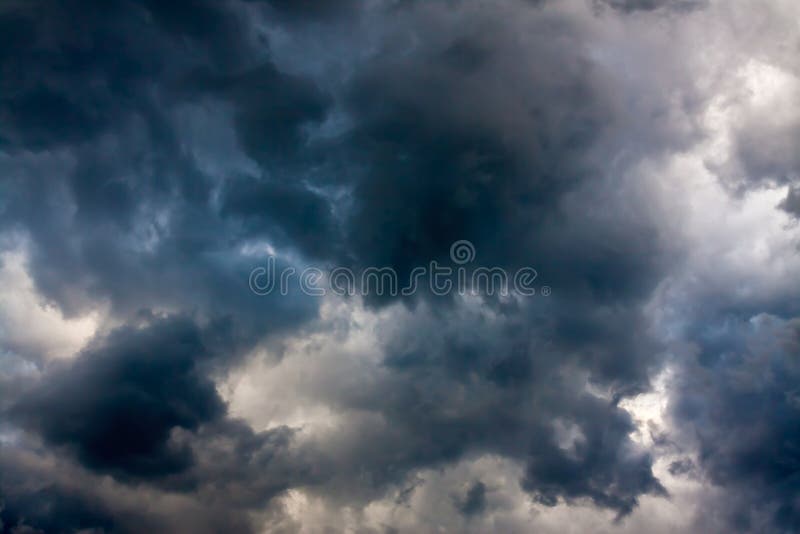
458,137
603,466
271,108
48,95
96,168
455,133
630,6
448,155
311,10
116,208
290,212
450,121
447,149
42,493
140,405
513,373
748,390
48,510
474,501
116,405
72,69
457,385
102,256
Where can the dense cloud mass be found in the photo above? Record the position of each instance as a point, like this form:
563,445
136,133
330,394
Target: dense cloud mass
650,5
749,390
162,162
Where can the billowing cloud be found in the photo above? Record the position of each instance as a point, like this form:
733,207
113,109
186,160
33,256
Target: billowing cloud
742,381
639,155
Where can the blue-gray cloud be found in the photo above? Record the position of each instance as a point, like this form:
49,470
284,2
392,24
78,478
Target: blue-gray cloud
397,129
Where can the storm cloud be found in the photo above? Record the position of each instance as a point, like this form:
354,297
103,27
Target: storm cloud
639,155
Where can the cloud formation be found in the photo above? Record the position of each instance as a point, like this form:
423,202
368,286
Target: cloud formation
638,154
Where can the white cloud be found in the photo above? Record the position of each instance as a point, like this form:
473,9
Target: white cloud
31,325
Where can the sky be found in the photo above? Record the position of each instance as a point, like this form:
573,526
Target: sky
182,183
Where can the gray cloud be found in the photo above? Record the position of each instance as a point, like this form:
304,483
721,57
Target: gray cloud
747,388
152,153
116,405
630,6
474,501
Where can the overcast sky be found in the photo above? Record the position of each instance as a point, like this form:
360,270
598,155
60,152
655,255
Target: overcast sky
640,157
